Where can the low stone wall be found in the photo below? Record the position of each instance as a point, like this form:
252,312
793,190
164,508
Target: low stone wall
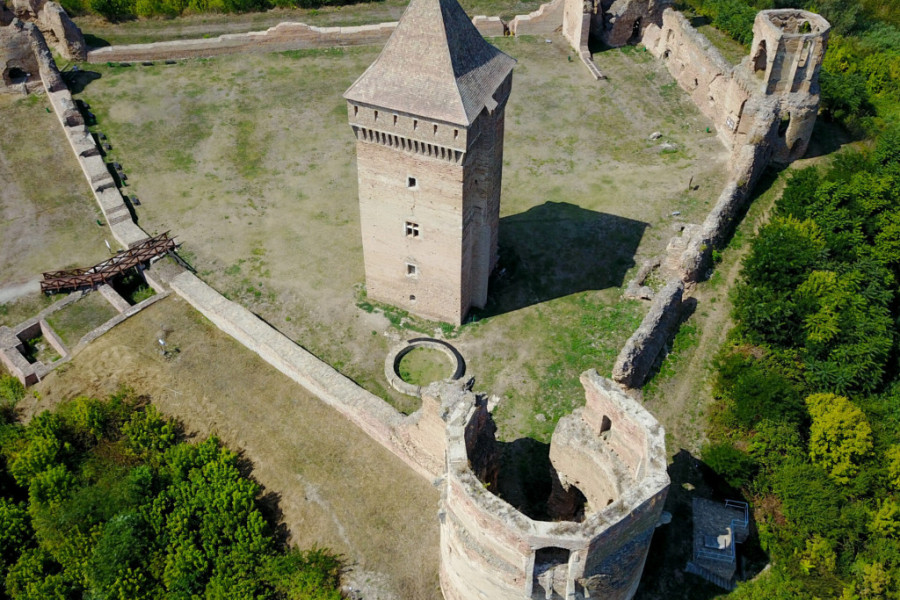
297,36
410,438
103,186
645,344
282,37
120,318
543,21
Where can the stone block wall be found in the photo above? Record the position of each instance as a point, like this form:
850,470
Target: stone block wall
644,346
282,37
543,21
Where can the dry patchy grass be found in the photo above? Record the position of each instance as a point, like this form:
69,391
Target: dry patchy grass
48,217
336,487
249,160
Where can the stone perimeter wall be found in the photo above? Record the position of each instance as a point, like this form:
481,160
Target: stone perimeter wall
297,36
763,109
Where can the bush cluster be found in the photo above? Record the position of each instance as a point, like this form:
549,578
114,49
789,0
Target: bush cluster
103,500
808,387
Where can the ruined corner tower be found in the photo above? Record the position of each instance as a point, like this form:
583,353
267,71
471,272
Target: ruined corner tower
787,52
428,119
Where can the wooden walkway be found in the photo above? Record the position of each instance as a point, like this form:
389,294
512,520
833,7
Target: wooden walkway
77,279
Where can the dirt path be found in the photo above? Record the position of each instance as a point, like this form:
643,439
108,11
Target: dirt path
14,291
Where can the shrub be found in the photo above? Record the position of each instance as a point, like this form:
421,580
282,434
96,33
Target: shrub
736,467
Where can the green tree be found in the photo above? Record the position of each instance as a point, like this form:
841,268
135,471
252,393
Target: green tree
840,435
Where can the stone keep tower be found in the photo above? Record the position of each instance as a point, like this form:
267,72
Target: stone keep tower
428,119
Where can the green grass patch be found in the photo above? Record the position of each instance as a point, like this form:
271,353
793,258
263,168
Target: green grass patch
80,318
421,366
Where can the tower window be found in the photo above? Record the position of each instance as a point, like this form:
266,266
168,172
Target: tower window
376,115
435,130
455,133
395,119
411,270
412,229
415,123
411,182
355,110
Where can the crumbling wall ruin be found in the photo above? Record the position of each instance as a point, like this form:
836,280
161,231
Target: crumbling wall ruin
763,109
18,62
53,22
640,351
612,450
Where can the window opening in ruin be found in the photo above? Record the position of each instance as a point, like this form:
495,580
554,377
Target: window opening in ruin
696,83
455,133
355,110
785,123
412,229
666,54
605,425
760,60
551,571
435,130
395,119
635,31
804,53
412,298
411,182
376,115
411,270
415,123
805,27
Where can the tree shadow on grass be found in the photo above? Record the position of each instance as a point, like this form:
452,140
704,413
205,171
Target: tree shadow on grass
94,41
557,249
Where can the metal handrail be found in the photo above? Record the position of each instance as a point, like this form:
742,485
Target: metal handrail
728,554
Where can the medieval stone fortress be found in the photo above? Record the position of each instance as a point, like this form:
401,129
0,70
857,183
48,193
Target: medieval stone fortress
429,121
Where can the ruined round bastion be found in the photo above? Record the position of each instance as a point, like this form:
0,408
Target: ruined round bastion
609,486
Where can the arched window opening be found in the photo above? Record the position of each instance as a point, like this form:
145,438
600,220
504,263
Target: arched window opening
785,123
761,58
635,31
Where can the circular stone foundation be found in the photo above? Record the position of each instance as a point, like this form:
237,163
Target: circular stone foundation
457,365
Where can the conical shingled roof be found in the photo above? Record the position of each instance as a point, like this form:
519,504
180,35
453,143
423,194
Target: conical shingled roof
435,65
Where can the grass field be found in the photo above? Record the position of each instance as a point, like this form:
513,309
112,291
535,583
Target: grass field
250,162
80,318
335,486
48,217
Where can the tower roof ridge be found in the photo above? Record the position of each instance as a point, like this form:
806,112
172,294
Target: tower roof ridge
436,65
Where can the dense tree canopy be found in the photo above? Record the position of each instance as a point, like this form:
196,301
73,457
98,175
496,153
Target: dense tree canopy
105,502
809,424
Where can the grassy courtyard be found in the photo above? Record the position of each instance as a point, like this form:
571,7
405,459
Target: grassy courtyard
250,162
48,217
